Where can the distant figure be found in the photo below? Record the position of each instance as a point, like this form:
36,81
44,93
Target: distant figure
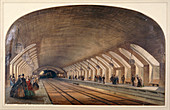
123,79
11,83
100,79
133,80
117,80
89,78
95,78
103,78
13,79
139,82
113,79
76,77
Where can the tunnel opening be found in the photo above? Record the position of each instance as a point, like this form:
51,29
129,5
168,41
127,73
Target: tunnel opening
47,74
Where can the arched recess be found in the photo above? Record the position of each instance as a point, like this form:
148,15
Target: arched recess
14,67
102,69
78,69
107,66
74,70
88,71
154,65
94,66
139,65
115,62
32,69
68,71
127,71
31,65
83,70
92,69
111,60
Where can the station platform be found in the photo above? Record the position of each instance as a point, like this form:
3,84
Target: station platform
41,97
60,90
148,94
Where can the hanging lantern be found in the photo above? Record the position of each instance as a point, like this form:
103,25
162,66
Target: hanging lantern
25,57
81,68
75,68
18,48
97,66
131,60
111,63
88,66
29,62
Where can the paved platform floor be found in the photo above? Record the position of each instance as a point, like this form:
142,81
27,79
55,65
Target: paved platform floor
152,88
40,97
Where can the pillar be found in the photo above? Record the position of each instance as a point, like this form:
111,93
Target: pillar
146,75
162,75
133,70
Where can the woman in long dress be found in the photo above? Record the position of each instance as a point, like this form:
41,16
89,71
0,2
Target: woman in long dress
29,90
17,89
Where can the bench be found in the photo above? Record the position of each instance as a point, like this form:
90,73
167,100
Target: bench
128,81
155,82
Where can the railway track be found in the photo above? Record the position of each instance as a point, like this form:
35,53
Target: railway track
63,93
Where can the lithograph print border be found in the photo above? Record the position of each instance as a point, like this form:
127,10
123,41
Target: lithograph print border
2,59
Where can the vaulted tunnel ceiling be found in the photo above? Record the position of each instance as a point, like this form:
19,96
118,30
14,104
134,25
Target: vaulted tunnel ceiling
67,34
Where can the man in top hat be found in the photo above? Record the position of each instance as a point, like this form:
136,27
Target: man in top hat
24,84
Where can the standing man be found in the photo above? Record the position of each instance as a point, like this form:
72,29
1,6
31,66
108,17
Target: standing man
24,84
103,78
100,79
123,79
133,80
139,82
111,79
13,79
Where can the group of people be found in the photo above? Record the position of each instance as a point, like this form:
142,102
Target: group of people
114,79
23,88
139,81
75,77
99,78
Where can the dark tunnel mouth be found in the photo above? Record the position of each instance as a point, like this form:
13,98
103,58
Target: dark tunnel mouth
48,74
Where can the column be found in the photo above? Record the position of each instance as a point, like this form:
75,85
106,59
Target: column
146,75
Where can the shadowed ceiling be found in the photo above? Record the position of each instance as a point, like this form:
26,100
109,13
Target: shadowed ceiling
65,35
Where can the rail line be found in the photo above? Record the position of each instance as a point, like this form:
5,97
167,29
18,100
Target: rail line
78,95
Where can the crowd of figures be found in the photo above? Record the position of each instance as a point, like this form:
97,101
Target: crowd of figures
114,79
23,88
100,79
139,81
75,77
